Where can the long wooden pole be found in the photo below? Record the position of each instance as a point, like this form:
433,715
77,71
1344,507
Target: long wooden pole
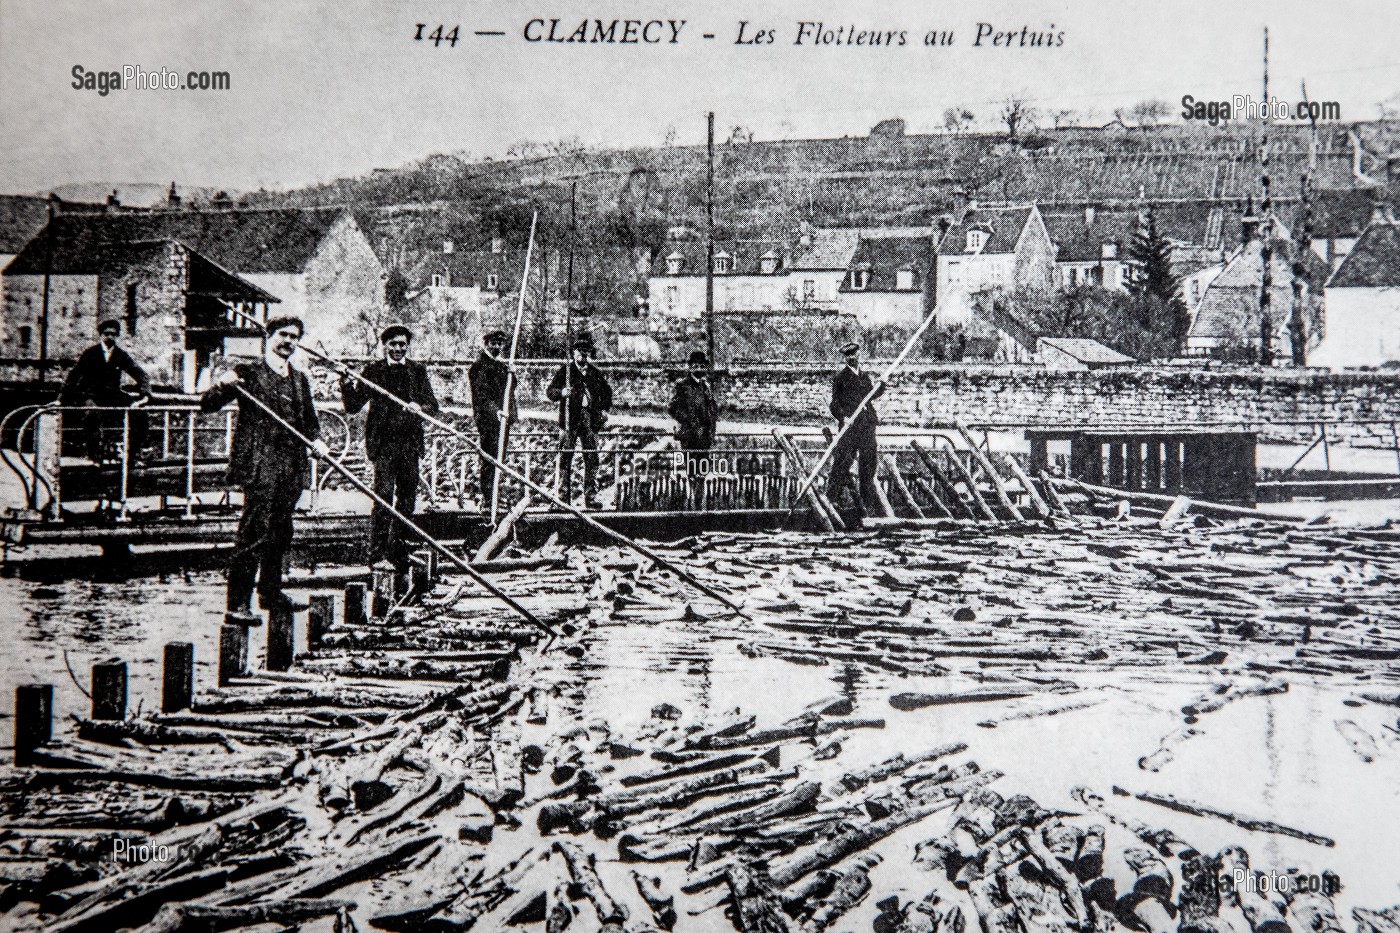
879,384
531,484
510,371
403,519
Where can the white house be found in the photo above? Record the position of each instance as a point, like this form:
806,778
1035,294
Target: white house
749,275
1005,248
1363,303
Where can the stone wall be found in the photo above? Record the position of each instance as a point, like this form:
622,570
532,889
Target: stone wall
1279,403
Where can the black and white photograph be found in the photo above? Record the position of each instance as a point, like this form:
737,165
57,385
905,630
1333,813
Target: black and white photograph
793,467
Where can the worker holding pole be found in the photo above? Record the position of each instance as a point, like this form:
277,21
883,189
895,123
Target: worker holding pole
268,464
493,408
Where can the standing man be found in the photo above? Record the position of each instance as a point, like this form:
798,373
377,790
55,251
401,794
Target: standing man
95,381
584,398
489,377
268,463
393,437
696,412
848,390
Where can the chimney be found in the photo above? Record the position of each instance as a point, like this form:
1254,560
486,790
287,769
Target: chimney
447,247
1380,213
1249,223
1089,216
498,244
172,198
804,233
962,204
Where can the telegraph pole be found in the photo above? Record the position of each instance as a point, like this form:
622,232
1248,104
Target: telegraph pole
710,237
1266,251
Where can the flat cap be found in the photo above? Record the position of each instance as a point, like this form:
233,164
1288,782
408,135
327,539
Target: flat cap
109,325
698,358
394,330
848,348
494,336
287,320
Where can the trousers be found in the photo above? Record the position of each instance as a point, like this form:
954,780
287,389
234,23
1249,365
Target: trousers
857,443
264,537
396,482
580,433
489,429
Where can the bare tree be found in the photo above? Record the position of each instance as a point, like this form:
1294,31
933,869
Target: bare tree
1065,117
1150,112
1017,115
957,119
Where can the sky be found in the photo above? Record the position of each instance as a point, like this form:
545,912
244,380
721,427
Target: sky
321,90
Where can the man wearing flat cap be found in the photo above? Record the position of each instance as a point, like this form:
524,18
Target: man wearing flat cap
848,390
269,463
696,412
393,436
584,398
490,377
95,381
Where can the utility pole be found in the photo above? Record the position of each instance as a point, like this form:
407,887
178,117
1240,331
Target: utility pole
1266,250
710,238
1297,319
49,234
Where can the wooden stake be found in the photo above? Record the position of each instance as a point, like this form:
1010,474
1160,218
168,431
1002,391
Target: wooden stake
354,604
33,719
177,677
897,482
109,690
281,639
320,620
382,582
1041,506
997,485
233,653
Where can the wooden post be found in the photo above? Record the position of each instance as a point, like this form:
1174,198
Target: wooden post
233,653
354,604
1021,477
1132,479
33,719
987,467
319,620
937,481
382,581
1115,463
177,677
109,690
281,639
1153,479
897,482
818,510
966,475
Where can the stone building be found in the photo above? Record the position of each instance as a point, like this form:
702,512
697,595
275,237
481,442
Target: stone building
992,249
1363,302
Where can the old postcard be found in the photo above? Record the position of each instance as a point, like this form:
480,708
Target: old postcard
700,466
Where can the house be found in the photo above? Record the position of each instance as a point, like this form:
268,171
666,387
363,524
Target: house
1363,302
316,262
1228,316
819,263
749,275
1091,247
1078,354
887,281
1337,219
987,249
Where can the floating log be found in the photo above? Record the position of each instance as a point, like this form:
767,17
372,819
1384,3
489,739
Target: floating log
781,734
899,763
586,881
502,532
663,905
1154,500
912,701
755,905
176,917
1256,825
834,850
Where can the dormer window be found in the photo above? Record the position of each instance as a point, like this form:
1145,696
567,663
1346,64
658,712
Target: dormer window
904,280
860,279
1110,251
723,263
437,280
674,263
976,239
447,247
492,281
768,263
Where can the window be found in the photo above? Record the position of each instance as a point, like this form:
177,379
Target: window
1196,291
1072,276
723,263
746,298
809,289
860,279
672,296
954,272
492,281
1110,251
904,279
437,280
130,314
976,239
674,265
768,265
26,334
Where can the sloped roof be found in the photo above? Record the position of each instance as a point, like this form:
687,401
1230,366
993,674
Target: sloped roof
1003,223
278,241
22,216
1374,262
1231,301
1078,241
885,256
745,253
1086,350
1338,213
829,249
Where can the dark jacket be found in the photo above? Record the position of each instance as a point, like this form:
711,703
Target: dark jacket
264,453
390,429
98,380
848,389
489,376
694,407
592,384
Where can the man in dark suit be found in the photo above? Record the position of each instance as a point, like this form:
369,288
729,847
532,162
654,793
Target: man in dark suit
268,463
95,381
489,377
584,398
848,390
393,437
696,412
